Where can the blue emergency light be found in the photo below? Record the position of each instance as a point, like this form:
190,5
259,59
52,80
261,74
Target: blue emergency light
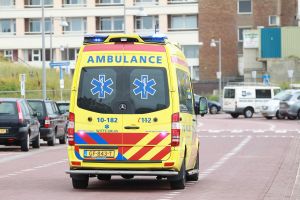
94,39
157,38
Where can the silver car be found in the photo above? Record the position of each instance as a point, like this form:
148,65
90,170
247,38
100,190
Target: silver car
290,105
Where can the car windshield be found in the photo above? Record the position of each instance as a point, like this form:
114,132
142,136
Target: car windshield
283,96
8,108
64,108
37,106
138,90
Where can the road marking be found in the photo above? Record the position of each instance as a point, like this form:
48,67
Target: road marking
225,158
296,186
242,136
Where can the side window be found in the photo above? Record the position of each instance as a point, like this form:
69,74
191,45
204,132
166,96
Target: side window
49,108
25,110
185,92
276,91
229,93
263,93
55,109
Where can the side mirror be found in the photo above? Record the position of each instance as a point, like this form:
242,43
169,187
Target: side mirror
203,106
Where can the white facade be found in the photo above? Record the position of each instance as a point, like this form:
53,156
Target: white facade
20,25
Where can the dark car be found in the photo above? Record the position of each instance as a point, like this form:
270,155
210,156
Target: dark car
18,124
53,123
63,107
213,106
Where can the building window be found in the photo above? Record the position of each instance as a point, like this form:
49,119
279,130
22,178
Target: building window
183,22
244,6
182,1
36,54
8,54
241,33
141,2
76,24
38,3
34,25
7,3
148,22
7,26
191,51
195,73
68,3
109,24
69,53
109,2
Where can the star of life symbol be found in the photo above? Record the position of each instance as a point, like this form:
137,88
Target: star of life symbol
144,86
102,86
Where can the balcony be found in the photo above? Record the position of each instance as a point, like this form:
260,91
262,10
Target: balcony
182,1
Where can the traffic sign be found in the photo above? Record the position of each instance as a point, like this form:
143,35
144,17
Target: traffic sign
59,64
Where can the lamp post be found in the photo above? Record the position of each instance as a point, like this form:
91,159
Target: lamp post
63,23
214,43
44,92
141,12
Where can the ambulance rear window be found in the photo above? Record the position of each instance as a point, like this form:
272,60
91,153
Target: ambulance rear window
123,90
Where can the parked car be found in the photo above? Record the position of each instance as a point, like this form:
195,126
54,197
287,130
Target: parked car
213,106
18,124
290,105
63,107
53,123
271,108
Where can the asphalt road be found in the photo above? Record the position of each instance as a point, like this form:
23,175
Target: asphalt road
239,159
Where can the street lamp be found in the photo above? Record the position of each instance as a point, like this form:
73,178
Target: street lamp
43,53
141,12
63,23
214,43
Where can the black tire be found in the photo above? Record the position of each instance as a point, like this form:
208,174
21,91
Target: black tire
291,117
194,177
63,140
213,110
269,118
234,115
80,183
25,143
179,183
36,143
248,113
51,141
127,176
104,177
279,116
298,114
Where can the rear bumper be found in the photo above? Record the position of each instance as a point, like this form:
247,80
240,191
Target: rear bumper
13,138
268,113
122,172
288,112
46,133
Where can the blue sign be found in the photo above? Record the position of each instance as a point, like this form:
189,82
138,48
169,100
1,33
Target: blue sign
59,64
102,86
266,79
144,87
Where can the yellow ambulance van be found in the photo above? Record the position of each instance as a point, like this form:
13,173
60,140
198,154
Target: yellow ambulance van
132,111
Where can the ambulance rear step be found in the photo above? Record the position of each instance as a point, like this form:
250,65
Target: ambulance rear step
124,172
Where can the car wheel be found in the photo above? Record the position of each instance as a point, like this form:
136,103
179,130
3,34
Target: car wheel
298,114
194,177
291,117
234,115
63,140
80,183
51,141
104,177
36,143
248,112
279,116
269,118
213,110
25,143
179,183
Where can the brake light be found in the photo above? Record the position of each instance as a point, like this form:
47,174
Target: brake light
47,122
175,132
71,128
20,114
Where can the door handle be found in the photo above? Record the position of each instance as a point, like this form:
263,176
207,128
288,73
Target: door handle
132,127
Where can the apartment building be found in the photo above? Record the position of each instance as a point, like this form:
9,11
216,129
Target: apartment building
226,20
66,22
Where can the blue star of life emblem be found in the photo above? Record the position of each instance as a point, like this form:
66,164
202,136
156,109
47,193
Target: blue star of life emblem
144,86
102,86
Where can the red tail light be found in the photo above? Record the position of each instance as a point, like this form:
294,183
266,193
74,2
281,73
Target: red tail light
47,122
175,132
20,114
71,129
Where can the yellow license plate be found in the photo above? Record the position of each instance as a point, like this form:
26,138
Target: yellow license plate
99,154
3,131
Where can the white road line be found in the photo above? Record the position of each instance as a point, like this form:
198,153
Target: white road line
226,157
241,136
296,186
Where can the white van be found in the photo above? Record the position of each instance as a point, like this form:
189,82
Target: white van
246,98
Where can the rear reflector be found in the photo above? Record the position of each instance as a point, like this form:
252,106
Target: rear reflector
20,114
71,129
77,163
169,164
175,131
47,122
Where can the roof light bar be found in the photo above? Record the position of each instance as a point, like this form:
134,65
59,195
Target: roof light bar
94,38
156,38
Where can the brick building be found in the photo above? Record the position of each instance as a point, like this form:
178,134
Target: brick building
226,19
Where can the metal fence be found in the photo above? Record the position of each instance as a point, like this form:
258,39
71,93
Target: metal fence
37,94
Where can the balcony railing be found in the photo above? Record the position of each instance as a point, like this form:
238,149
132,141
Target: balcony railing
182,1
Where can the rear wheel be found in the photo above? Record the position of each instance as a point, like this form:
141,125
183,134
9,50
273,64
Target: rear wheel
194,177
25,143
80,183
234,115
279,116
104,177
298,114
63,140
179,182
36,142
269,117
248,112
51,141
213,110
291,117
